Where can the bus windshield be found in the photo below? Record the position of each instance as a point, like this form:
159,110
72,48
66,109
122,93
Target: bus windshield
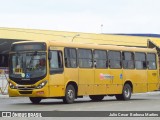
27,65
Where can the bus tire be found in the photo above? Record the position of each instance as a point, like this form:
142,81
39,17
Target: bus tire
35,100
96,97
126,93
69,94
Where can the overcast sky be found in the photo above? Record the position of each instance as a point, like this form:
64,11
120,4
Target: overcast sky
116,16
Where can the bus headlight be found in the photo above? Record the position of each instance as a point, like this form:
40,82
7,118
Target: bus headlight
41,85
12,86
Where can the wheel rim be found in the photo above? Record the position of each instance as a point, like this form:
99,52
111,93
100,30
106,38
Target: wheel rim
127,92
70,94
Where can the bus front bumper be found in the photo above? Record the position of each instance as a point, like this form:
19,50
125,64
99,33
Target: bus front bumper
28,93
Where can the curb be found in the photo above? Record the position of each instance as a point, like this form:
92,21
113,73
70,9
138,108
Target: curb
4,96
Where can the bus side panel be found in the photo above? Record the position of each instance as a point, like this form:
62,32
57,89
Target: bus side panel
138,79
71,74
117,81
102,81
153,82
141,81
56,85
128,75
86,81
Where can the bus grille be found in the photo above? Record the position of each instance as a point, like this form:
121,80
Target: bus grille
25,92
25,87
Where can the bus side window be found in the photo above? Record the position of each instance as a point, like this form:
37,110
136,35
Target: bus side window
56,62
151,61
4,60
70,57
128,60
100,59
85,59
140,60
114,58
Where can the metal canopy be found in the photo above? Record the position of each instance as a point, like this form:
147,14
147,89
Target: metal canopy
154,44
5,45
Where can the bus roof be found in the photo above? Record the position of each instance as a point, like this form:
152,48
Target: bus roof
101,46
51,43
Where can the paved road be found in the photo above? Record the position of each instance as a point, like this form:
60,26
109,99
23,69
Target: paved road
138,102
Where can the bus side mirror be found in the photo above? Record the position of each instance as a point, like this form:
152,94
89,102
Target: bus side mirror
50,55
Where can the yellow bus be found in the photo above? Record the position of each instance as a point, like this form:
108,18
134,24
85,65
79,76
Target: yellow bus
50,69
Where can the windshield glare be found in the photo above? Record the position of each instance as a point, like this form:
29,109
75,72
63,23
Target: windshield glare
28,65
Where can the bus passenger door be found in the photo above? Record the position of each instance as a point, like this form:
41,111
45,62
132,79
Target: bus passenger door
152,72
140,80
56,72
153,80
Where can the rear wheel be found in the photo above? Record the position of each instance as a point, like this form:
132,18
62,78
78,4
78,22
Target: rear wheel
96,97
126,93
35,100
69,94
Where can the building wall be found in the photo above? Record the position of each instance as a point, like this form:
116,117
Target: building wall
30,34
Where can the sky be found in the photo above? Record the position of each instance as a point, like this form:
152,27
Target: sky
91,16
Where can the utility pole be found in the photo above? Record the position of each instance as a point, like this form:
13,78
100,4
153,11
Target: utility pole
101,28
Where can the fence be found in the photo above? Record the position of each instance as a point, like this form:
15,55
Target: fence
4,81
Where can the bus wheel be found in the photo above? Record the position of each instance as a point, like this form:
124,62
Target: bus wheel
126,93
96,97
35,100
69,95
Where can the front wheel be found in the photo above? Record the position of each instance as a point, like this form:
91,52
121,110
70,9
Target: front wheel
126,93
35,100
69,94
